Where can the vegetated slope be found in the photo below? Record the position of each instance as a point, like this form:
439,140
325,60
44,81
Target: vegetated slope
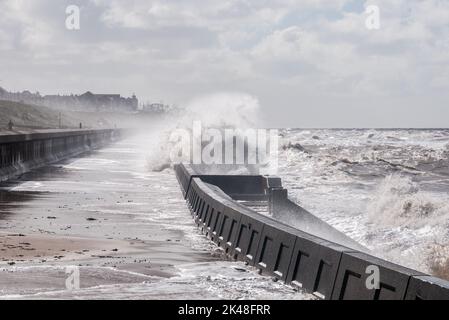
26,116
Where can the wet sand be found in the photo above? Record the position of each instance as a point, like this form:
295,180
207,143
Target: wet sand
41,248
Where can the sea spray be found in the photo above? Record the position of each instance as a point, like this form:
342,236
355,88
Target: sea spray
399,202
438,260
220,111
408,225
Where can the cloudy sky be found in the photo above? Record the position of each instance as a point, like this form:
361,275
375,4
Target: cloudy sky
309,63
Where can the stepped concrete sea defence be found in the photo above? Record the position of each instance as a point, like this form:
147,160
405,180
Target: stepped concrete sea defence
310,255
24,151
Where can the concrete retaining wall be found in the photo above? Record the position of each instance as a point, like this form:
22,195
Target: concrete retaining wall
321,267
20,153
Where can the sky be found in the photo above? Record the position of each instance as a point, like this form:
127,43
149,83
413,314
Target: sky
307,63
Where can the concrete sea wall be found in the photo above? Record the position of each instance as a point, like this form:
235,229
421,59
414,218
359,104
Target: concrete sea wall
22,152
319,266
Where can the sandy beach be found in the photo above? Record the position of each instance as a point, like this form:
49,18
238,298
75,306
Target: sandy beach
42,248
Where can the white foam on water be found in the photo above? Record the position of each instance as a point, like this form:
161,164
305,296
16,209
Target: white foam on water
386,189
209,280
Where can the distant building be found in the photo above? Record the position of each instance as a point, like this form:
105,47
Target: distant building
155,108
25,96
160,108
88,101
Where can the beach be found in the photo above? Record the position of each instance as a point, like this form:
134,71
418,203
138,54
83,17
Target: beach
126,228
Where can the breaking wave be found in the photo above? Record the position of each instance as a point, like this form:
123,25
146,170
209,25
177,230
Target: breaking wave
387,189
218,111
398,201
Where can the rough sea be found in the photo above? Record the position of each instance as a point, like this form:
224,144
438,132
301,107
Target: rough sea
387,189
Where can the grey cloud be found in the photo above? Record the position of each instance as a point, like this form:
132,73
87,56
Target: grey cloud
310,62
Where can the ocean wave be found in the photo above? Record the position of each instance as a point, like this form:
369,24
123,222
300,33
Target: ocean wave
385,188
398,201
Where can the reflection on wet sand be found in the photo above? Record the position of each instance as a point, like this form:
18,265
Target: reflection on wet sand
11,201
